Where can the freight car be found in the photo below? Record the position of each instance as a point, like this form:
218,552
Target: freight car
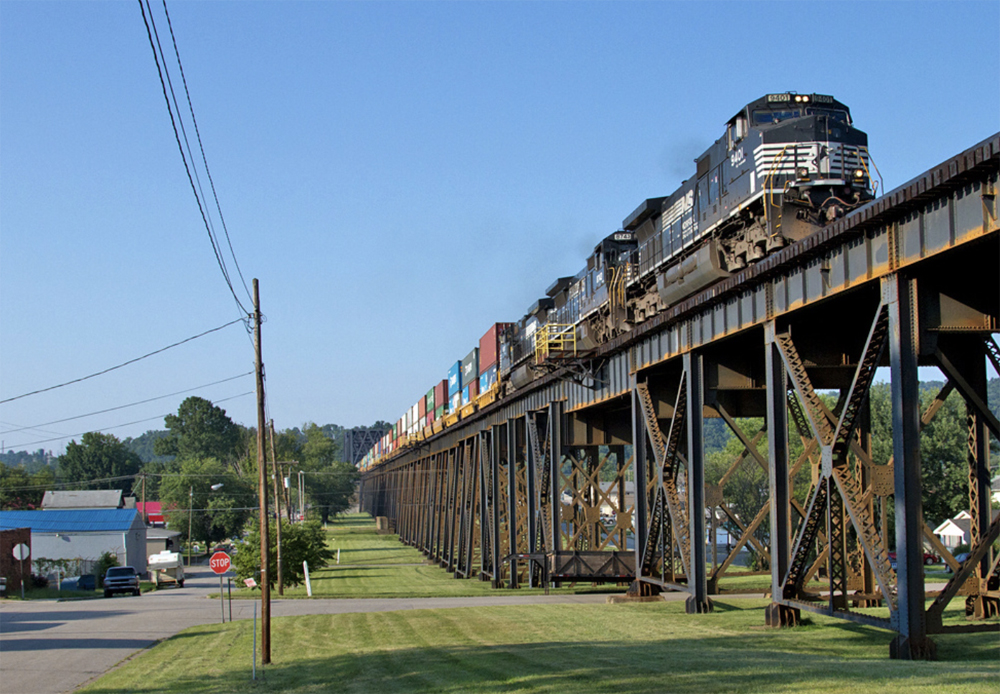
787,165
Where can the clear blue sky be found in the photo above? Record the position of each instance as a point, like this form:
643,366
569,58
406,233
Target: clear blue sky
399,176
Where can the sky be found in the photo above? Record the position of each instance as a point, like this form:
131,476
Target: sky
398,176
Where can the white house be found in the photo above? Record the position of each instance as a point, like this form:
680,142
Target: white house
83,534
955,531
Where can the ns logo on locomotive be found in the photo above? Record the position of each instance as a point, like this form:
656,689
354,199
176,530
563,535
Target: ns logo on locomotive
787,165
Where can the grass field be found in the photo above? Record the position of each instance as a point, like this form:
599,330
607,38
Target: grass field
380,566
651,647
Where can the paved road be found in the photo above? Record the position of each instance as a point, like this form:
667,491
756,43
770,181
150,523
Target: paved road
49,647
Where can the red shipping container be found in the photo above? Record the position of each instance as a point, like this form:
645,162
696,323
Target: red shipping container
421,409
489,347
441,394
474,390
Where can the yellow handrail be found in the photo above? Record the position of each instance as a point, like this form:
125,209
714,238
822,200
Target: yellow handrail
554,337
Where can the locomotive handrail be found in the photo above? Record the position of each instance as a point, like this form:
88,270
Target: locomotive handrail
554,336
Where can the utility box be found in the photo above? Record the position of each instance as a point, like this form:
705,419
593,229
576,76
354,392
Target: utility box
382,525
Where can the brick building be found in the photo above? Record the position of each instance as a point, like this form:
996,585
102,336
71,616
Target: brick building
10,568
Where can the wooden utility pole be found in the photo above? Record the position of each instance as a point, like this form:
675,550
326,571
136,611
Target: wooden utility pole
265,584
277,509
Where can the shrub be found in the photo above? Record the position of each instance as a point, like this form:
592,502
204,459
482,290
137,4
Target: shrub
107,560
299,542
39,581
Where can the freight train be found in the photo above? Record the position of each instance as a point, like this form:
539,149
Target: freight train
787,165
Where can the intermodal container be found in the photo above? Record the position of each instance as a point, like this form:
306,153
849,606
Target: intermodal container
455,379
489,347
488,379
429,400
439,412
470,368
441,394
422,407
470,392
456,402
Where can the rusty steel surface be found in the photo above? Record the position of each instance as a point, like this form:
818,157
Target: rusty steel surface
591,473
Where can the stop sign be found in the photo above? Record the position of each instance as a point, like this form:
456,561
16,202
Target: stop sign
220,562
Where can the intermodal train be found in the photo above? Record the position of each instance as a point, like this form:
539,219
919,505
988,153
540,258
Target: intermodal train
787,165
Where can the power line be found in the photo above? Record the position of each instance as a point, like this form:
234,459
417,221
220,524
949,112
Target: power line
130,361
165,83
122,407
127,424
204,159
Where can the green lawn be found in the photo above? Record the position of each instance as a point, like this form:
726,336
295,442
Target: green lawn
380,566
650,647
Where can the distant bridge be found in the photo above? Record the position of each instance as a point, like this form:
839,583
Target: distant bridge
538,487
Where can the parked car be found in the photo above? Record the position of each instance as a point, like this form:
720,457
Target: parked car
929,558
121,579
961,558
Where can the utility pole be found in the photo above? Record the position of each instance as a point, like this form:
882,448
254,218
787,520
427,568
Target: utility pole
265,585
145,514
277,509
190,515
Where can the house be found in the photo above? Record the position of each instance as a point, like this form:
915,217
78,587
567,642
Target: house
162,540
153,510
83,533
101,498
955,531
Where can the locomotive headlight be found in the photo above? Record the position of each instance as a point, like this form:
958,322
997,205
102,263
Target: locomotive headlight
802,173
859,174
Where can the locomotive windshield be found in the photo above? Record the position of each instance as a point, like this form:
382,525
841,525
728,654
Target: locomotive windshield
764,117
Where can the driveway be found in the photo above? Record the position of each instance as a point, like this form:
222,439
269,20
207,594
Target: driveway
48,646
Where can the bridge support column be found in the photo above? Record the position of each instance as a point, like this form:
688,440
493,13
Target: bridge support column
694,366
911,642
778,615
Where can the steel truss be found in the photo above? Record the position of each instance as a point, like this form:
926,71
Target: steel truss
605,481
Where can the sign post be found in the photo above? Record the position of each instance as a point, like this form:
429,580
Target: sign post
21,552
220,563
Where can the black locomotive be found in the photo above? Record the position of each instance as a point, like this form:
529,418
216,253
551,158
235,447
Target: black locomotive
787,165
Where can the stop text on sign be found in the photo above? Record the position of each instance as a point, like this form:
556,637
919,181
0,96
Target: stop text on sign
220,562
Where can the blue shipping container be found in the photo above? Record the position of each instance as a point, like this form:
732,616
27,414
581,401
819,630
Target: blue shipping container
456,402
455,379
488,379
466,396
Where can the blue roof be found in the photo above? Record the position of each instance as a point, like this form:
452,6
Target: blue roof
69,521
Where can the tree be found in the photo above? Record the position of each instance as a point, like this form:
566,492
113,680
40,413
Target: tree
97,457
19,489
200,430
329,482
299,542
217,513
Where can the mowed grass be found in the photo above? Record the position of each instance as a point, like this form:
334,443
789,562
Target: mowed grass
380,566
651,647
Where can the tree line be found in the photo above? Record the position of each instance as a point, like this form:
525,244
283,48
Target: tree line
202,468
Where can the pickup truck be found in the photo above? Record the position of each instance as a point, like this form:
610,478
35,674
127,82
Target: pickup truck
121,579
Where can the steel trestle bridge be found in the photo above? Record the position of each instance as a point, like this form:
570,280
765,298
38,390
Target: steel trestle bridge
596,471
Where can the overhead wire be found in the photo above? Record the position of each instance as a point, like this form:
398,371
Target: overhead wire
130,361
122,407
204,159
178,127
127,424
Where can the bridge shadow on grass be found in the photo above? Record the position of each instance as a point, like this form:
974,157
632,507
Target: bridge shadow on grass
686,666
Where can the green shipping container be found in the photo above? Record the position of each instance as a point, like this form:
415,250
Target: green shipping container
430,400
